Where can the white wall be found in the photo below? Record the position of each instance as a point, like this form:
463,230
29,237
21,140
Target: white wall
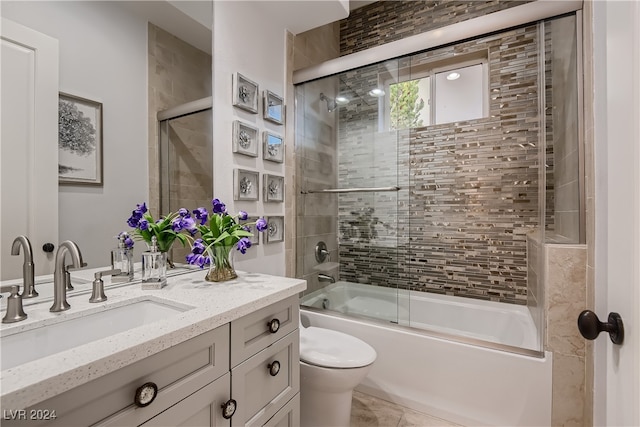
249,37
103,57
244,43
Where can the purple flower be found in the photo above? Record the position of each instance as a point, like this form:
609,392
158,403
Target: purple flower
198,246
198,259
189,224
140,209
243,245
202,215
136,215
124,237
176,224
133,221
261,224
143,224
218,206
242,215
246,228
183,212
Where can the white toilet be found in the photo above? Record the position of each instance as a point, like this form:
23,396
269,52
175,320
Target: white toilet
332,364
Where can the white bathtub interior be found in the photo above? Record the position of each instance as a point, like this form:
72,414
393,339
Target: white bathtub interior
492,322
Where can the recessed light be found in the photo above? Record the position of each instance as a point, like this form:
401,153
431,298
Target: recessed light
342,100
453,76
377,92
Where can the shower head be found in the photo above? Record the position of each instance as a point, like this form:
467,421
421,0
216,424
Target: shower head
331,103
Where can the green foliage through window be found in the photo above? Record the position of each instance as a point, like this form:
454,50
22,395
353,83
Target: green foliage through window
406,105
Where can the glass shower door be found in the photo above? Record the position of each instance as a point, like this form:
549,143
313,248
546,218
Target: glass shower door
186,165
348,162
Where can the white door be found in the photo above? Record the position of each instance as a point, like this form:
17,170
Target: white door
617,161
28,145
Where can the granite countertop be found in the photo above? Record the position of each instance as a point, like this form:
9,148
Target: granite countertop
208,305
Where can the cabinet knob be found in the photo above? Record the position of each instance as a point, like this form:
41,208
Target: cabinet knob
145,394
48,247
274,325
274,368
229,408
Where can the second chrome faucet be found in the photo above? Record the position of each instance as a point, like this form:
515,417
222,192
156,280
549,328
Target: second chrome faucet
59,275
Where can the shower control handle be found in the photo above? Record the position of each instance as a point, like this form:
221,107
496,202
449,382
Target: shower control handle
590,326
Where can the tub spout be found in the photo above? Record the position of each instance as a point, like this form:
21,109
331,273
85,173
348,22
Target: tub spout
28,282
59,283
326,278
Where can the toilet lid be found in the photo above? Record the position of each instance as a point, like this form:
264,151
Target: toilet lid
333,349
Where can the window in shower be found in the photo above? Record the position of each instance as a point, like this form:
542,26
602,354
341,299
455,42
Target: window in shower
435,93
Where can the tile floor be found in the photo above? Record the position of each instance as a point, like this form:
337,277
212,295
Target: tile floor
369,411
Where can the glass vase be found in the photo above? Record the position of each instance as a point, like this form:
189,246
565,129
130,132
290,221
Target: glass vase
221,265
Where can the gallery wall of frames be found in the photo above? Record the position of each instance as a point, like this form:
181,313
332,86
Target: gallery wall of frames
249,140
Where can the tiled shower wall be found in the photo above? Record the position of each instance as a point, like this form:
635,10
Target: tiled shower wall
315,157
469,190
179,73
387,21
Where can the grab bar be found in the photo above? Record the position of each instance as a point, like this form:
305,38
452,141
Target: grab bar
352,190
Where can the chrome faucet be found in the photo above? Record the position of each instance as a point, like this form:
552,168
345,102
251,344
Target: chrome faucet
326,278
59,277
28,282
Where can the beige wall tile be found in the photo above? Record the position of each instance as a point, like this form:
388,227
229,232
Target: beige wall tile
566,297
568,391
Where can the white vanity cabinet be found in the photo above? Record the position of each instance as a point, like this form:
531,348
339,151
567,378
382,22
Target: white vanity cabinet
177,372
265,363
251,363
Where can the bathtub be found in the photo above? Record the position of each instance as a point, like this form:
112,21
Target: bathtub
463,364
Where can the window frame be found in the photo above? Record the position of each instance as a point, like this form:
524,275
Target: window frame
411,72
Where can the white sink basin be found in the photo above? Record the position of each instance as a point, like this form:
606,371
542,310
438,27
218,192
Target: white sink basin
32,344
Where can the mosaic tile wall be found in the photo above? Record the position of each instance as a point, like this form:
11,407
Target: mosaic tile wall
388,20
470,189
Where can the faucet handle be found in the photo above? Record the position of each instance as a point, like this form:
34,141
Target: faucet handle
97,294
70,267
15,312
67,274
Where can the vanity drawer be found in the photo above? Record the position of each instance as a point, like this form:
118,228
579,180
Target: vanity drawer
202,408
260,389
109,400
253,332
288,416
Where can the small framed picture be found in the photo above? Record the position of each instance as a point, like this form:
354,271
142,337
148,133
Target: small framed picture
272,147
245,93
255,239
79,140
245,139
273,107
275,229
273,188
246,185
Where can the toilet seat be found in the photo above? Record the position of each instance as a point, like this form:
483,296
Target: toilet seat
332,349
